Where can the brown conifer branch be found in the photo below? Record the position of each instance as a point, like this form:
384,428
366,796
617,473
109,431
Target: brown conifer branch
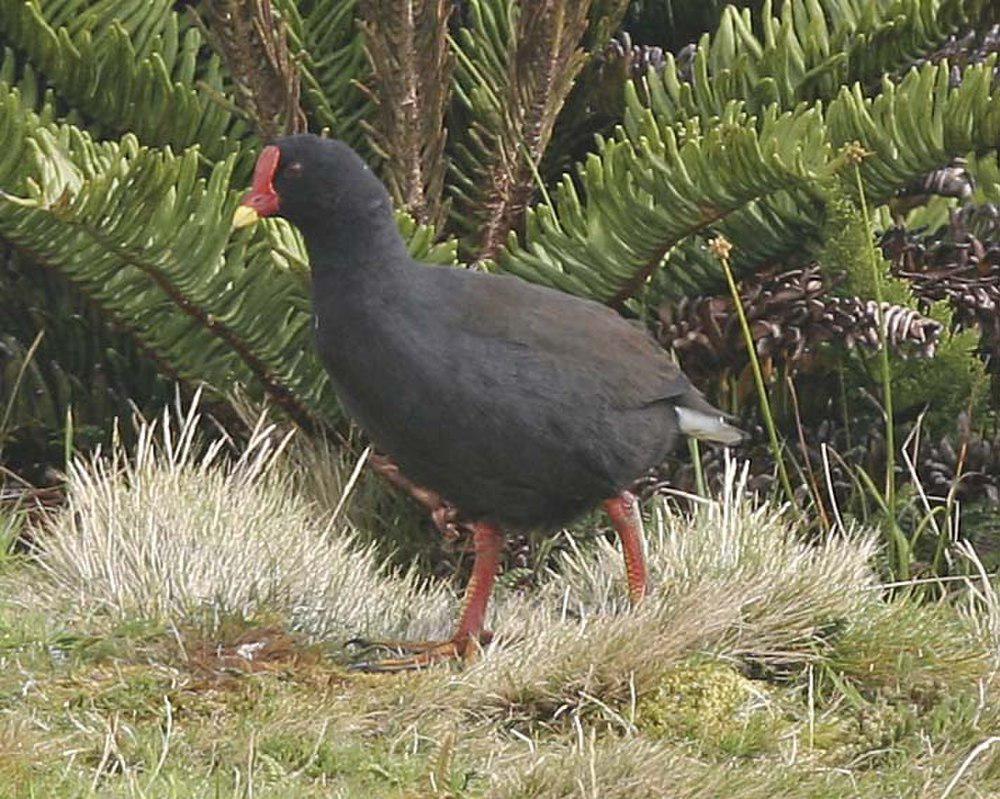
253,42
410,84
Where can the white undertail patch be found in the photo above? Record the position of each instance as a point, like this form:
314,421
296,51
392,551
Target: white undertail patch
707,427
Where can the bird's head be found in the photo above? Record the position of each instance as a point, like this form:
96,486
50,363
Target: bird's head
319,185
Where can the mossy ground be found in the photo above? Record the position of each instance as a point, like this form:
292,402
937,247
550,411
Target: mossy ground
253,710
163,640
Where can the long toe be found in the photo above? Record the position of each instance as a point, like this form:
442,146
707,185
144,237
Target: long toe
423,653
391,645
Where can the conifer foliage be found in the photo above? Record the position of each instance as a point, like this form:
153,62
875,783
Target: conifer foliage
590,145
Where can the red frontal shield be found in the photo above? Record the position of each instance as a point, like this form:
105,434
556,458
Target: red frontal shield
262,197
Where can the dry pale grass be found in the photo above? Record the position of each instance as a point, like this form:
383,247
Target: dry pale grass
554,707
612,767
735,582
789,592
179,530
982,602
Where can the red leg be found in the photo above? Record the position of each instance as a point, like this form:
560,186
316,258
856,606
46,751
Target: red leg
464,643
488,541
627,521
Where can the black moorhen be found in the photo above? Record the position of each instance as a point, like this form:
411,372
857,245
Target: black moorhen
521,406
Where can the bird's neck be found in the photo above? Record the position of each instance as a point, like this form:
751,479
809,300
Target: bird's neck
353,273
358,242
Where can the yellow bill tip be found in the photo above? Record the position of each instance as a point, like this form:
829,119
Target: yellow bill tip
245,216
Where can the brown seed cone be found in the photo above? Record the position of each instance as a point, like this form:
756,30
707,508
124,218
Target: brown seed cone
969,463
618,62
966,463
845,453
790,314
959,263
964,50
634,60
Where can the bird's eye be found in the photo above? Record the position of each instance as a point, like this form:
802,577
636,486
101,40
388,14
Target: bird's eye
294,168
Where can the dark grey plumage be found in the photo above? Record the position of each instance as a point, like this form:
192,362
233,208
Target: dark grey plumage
520,405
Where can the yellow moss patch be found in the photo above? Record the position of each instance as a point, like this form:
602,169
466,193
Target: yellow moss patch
704,700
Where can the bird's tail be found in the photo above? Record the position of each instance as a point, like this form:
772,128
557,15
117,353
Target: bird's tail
708,426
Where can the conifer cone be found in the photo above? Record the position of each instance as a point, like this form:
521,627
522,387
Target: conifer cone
864,447
971,466
959,263
632,60
618,62
966,462
953,180
790,313
964,50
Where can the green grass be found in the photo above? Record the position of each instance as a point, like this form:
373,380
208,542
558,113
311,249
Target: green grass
182,634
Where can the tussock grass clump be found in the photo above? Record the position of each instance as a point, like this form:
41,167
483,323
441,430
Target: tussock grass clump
735,581
907,646
631,768
542,666
611,769
789,593
761,664
182,530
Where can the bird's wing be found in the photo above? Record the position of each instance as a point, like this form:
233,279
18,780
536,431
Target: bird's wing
581,337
